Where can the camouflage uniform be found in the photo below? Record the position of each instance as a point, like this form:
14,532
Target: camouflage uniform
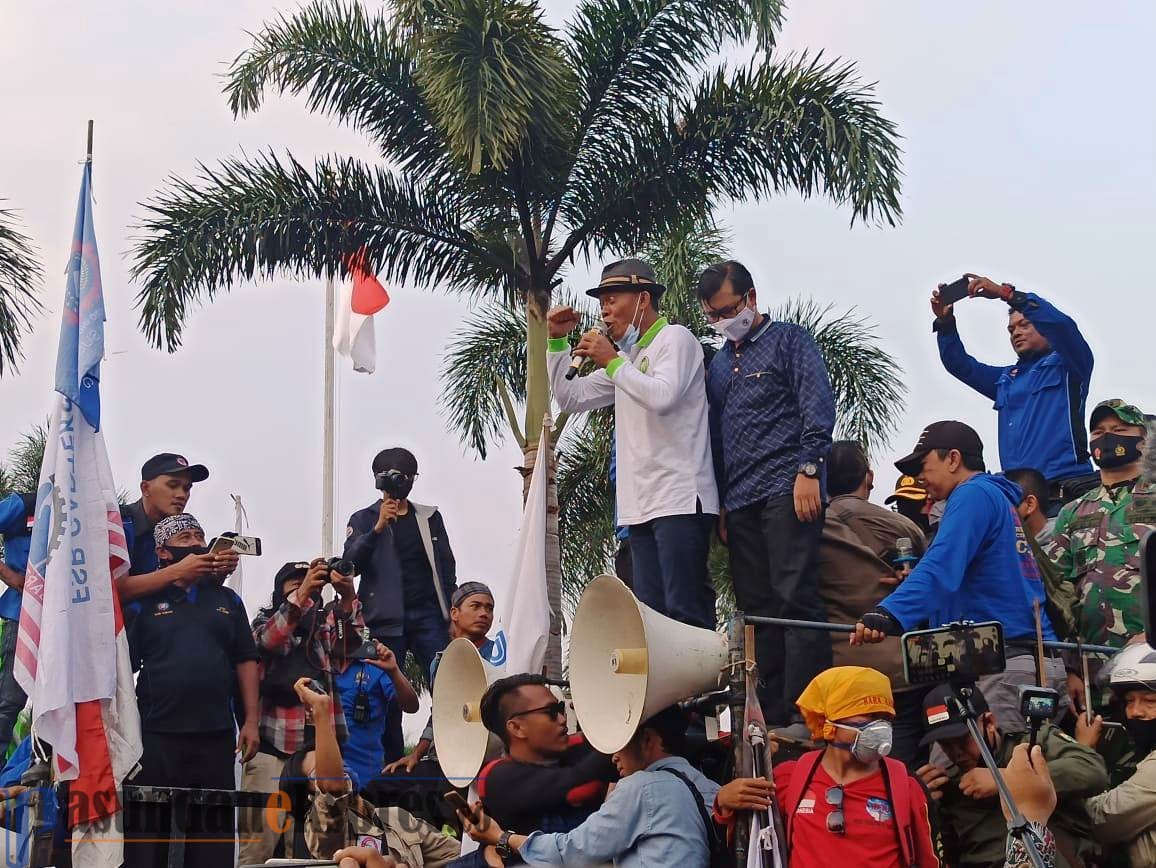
1097,547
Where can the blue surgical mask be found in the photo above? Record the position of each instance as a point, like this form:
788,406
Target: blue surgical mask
632,336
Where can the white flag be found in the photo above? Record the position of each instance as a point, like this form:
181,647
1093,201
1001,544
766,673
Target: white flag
523,619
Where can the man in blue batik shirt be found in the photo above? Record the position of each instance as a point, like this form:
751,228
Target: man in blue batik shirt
1041,398
772,415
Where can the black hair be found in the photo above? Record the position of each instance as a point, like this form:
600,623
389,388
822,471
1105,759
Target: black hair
497,702
971,462
395,459
1032,482
712,279
670,726
846,467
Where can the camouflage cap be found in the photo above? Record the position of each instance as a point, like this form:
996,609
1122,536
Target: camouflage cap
1127,413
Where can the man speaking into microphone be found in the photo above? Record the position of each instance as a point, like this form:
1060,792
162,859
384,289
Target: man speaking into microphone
654,377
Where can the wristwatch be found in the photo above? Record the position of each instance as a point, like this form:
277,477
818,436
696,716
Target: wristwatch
503,845
809,470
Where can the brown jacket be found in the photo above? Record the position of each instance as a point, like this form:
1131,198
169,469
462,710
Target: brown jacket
855,552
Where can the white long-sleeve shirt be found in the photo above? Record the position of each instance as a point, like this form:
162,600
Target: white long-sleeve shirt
661,431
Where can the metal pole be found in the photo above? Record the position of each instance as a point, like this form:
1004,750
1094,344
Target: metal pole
736,642
1107,650
88,148
328,445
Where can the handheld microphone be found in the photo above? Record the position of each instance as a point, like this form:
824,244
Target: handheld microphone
576,361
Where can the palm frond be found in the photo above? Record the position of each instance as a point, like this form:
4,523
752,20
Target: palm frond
486,355
491,72
585,503
242,220
801,125
865,378
352,66
20,276
22,472
679,258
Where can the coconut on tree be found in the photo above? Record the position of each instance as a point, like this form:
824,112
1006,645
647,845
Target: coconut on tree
509,150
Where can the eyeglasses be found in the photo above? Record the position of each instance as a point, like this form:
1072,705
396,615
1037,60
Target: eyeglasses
554,709
714,315
835,821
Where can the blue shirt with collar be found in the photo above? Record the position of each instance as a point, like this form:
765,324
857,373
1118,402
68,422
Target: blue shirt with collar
363,752
649,821
1041,400
17,541
772,411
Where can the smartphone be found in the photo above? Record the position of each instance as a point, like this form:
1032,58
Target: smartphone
219,544
958,652
460,804
954,291
246,545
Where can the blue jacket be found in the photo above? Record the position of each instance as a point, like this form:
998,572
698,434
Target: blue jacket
381,592
979,567
15,511
1041,401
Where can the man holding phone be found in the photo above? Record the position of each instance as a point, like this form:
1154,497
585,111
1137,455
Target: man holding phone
1040,399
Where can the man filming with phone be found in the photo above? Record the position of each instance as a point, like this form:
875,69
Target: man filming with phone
193,647
1041,398
408,571
298,636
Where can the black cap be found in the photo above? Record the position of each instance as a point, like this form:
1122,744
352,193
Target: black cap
940,720
628,275
168,463
291,570
941,435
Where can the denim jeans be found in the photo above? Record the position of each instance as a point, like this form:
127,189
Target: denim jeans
426,634
669,555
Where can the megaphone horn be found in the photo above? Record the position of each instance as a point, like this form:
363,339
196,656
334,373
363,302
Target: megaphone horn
462,742
628,662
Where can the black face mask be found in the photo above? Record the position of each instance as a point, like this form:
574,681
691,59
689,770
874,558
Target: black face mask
179,553
1116,450
1143,733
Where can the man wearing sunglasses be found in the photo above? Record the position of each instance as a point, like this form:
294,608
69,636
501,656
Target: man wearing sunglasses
548,780
850,804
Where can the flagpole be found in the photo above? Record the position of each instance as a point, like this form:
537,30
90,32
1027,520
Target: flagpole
88,150
327,466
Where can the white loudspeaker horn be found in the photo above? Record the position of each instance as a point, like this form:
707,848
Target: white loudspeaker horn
628,662
462,742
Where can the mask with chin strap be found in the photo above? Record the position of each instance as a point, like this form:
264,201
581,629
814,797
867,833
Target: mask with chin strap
632,335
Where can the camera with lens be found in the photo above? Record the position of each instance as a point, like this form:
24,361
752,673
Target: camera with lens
394,483
339,565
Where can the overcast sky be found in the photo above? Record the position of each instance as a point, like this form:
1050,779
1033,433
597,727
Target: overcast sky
1029,150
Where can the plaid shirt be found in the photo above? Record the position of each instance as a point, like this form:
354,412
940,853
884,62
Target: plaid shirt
285,728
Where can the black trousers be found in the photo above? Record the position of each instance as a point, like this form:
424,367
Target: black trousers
193,760
773,559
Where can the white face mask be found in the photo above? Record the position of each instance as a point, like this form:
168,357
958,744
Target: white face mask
736,327
872,741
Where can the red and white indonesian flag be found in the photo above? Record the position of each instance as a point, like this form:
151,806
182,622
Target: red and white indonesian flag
360,298
72,655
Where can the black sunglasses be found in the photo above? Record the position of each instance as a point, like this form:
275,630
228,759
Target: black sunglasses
554,709
835,822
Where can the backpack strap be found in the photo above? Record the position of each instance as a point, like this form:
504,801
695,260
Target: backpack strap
895,778
712,841
801,776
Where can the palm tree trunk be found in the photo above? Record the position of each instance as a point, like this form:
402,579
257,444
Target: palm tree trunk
537,405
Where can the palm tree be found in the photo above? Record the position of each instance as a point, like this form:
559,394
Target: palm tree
483,375
19,280
509,150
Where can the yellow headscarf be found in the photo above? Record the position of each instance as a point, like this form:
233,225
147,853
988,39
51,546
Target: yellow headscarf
842,692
